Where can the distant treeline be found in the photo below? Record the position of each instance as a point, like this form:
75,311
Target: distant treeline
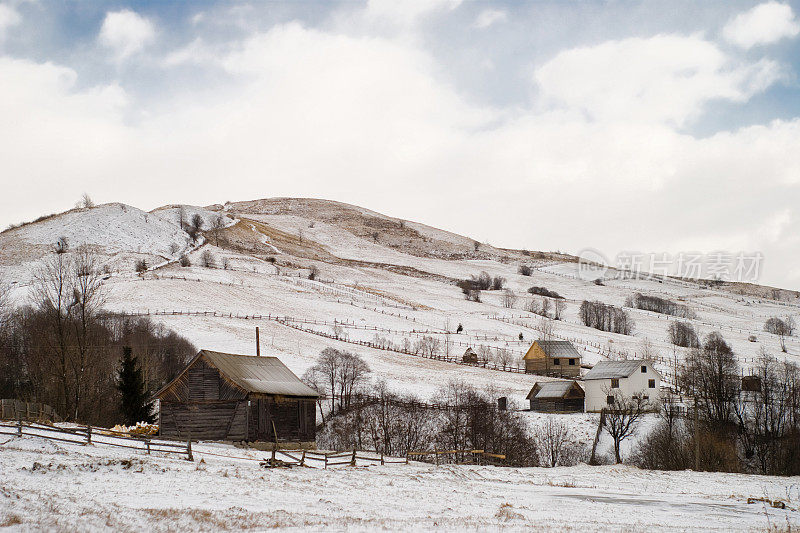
606,317
659,305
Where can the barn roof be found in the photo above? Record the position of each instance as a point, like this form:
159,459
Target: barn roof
615,369
558,348
265,375
552,389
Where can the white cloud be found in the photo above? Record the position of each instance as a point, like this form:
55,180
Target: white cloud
8,18
126,33
764,24
664,78
487,17
370,120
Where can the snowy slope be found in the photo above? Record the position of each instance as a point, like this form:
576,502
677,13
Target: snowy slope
58,486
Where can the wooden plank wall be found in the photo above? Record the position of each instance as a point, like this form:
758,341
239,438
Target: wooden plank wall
220,420
538,366
294,419
558,406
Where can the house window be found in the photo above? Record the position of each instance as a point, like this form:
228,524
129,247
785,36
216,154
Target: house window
557,362
610,400
614,383
572,362
651,384
644,369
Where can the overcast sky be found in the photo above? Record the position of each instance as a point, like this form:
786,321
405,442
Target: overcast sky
662,126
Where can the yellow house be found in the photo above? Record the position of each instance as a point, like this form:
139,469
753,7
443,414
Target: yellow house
553,358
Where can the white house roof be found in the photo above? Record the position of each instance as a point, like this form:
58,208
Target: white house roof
616,369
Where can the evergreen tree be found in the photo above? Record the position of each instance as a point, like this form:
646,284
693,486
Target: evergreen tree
135,406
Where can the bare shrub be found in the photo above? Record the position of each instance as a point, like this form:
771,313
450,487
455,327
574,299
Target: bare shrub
185,261
525,270
141,265
556,444
543,291
208,260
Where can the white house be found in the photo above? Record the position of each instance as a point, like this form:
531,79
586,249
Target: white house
628,378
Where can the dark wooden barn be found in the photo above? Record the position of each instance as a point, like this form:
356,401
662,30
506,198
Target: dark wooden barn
557,397
221,396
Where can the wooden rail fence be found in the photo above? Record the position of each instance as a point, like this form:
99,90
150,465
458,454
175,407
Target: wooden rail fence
88,435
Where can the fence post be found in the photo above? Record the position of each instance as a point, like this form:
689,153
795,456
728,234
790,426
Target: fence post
189,456
303,458
353,460
326,461
147,442
436,455
19,425
89,434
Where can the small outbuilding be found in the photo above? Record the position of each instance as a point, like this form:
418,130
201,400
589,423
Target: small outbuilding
469,357
221,396
608,380
556,397
553,358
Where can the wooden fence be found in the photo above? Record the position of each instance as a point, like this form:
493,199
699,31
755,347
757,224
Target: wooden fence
86,435
458,456
16,409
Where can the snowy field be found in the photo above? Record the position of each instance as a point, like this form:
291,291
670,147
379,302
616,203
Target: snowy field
64,487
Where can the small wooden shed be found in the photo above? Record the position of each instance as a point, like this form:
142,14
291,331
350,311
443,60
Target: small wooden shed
556,397
221,396
553,358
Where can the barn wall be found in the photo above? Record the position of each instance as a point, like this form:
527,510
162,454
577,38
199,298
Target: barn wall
294,418
541,367
218,420
572,405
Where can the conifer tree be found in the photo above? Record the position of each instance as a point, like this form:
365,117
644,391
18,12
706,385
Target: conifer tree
134,405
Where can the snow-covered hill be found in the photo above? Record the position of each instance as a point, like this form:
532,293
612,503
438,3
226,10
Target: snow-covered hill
378,279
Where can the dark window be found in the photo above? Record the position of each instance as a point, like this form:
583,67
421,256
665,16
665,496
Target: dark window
651,384
645,397
572,362
610,400
644,369
614,383
556,361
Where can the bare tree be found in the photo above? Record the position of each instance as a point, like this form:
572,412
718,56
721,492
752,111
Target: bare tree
208,260
85,201
559,307
711,375
683,334
545,307
781,327
623,417
556,445
509,299
173,249
217,225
